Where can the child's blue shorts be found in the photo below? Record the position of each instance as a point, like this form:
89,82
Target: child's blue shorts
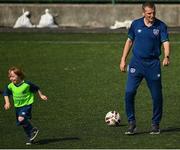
24,111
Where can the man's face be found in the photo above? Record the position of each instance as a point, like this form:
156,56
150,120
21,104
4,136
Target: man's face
149,14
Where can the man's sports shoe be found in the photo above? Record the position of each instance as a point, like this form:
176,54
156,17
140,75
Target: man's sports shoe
131,129
34,133
155,129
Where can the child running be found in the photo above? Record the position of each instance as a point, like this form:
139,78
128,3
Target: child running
22,93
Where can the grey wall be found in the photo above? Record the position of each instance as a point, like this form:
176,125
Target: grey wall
87,15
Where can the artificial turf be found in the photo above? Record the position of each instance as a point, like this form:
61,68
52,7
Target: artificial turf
80,75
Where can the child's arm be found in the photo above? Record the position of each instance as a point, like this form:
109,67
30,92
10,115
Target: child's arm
34,88
7,104
42,96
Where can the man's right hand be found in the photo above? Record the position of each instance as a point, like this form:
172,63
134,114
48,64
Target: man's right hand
122,66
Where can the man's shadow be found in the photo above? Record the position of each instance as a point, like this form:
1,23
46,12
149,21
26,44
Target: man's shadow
171,129
168,129
54,140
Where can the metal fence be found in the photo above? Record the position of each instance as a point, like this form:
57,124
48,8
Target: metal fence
87,1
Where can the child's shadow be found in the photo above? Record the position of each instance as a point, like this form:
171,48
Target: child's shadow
54,140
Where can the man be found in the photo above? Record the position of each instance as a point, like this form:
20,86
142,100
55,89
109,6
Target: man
145,36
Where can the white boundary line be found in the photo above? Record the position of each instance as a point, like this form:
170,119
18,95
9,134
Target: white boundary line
75,42
64,42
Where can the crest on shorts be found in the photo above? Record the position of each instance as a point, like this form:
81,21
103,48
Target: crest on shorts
23,113
156,31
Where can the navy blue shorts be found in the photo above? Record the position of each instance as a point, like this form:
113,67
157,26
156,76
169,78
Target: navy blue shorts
24,111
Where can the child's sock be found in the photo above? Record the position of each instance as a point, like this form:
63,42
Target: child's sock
27,128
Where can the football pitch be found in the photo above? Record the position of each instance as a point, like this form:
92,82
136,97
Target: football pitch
80,75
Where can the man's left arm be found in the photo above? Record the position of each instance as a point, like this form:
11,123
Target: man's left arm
166,59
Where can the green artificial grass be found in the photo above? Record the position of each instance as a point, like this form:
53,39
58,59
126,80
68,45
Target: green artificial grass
80,75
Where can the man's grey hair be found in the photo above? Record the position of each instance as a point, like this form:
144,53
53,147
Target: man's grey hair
148,4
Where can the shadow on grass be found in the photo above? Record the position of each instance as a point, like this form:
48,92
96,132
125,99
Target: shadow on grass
168,129
117,126
122,125
171,129
54,140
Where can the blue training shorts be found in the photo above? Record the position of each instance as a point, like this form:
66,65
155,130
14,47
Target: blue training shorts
24,111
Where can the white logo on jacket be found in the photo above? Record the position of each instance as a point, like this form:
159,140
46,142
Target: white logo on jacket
139,30
156,31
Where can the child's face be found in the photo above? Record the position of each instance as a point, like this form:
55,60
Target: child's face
14,77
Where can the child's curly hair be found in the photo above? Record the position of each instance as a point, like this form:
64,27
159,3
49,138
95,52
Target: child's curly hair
17,71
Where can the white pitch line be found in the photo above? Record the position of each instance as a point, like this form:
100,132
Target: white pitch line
63,42
74,42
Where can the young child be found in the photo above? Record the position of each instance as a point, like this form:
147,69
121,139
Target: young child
22,93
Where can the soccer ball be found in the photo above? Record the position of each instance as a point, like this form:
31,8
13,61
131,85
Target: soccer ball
112,118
